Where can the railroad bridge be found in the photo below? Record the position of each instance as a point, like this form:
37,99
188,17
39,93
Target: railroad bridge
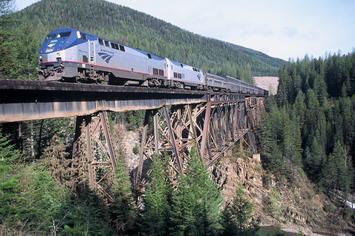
175,121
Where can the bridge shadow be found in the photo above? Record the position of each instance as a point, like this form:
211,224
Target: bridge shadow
144,175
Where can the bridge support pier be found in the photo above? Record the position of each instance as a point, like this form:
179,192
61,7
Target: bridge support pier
212,128
94,153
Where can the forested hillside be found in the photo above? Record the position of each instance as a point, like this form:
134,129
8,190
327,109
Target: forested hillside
25,30
310,124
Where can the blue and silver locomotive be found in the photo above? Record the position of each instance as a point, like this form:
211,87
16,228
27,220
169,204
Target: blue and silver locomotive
69,54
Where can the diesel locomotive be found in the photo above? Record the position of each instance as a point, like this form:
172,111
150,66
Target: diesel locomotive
68,54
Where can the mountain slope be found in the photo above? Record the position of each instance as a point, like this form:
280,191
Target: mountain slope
143,31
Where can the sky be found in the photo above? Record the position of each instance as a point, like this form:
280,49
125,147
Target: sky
280,28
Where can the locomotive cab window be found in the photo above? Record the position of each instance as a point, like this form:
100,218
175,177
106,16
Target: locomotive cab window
107,43
149,56
122,48
155,71
161,72
59,35
101,42
83,36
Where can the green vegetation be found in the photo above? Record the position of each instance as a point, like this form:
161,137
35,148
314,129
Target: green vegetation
21,38
157,195
32,201
195,208
28,195
273,205
310,123
238,217
123,209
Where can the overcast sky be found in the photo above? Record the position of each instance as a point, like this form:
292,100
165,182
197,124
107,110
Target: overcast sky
279,28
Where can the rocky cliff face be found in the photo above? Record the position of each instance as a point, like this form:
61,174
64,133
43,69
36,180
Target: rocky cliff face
295,206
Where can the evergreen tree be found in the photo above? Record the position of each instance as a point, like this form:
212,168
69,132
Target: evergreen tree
336,174
196,202
300,108
123,211
30,199
155,217
238,216
314,156
84,214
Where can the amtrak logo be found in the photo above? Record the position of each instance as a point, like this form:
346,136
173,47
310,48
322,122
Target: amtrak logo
106,56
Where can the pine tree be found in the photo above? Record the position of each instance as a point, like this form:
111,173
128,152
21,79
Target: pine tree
300,107
238,216
196,202
9,183
155,217
336,174
314,156
123,210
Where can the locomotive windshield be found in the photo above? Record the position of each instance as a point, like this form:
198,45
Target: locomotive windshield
58,35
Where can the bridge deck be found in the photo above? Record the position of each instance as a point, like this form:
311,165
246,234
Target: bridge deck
34,85
33,100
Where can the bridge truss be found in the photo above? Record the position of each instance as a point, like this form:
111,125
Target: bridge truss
175,122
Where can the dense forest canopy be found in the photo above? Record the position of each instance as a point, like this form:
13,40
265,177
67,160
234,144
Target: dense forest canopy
310,124
130,27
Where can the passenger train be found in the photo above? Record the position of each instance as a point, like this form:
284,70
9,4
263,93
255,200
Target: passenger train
68,54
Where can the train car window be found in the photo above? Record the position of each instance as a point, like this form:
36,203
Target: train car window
179,76
115,46
101,42
122,48
155,71
149,56
181,65
107,43
175,75
161,72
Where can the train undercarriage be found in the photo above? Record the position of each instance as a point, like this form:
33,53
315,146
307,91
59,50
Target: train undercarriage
57,72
